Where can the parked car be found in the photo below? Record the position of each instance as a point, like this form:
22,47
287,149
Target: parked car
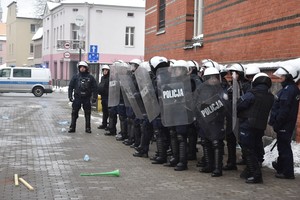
25,80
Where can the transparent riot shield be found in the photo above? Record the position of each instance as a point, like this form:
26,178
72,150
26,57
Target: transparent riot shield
114,87
235,97
175,98
212,106
147,93
132,93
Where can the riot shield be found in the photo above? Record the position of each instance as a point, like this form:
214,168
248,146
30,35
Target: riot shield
235,97
114,87
133,96
175,98
147,93
212,106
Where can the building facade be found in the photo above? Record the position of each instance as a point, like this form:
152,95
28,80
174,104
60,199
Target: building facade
2,43
225,31
20,30
96,32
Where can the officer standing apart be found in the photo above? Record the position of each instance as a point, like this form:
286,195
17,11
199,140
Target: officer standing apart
103,91
283,119
82,86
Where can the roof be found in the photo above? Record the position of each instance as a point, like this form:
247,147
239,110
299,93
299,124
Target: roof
38,34
125,3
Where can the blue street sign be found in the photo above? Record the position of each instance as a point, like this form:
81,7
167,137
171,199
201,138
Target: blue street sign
93,49
93,57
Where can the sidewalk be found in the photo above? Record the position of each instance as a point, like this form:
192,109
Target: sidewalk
35,145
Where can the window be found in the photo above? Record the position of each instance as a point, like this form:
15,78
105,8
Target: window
32,28
161,17
129,36
22,73
130,14
5,73
198,18
74,33
1,60
1,47
31,48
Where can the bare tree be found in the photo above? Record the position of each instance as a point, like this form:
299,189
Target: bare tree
39,6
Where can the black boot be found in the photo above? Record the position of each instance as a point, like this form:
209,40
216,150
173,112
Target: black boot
112,124
123,127
255,175
162,152
175,150
182,165
74,117
87,115
137,136
231,147
192,144
207,153
130,130
218,158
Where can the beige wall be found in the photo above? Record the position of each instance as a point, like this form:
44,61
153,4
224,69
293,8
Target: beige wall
2,43
19,38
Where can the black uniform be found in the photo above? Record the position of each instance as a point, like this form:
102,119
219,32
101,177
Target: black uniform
103,91
83,86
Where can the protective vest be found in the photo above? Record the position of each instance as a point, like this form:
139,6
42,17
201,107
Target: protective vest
84,86
258,113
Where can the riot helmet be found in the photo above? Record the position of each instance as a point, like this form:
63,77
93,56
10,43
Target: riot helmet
157,62
238,68
105,67
251,72
134,63
179,68
291,73
193,66
261,78
211,74
83,64
208,63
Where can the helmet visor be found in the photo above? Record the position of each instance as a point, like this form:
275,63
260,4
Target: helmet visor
280,72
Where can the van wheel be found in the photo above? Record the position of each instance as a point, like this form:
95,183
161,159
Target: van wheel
38,91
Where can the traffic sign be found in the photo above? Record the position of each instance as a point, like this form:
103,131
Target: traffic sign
79,20
67,54
67,45
93,49
93,57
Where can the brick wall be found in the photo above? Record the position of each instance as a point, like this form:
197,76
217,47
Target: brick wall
234,31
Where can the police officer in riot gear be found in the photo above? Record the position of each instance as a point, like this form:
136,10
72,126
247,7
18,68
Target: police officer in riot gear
253,112
103,91
161,133
231,138
211,101
82,86
283,118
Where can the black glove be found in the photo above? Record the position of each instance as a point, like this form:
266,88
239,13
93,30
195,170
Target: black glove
71,99
94,100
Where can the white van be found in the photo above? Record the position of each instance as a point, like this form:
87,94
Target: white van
25,80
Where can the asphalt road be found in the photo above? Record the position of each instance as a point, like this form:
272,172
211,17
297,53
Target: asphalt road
35,145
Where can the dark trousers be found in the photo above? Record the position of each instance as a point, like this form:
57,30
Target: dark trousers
104,103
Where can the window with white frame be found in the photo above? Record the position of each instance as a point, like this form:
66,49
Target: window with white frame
198,19
161,15
129,36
